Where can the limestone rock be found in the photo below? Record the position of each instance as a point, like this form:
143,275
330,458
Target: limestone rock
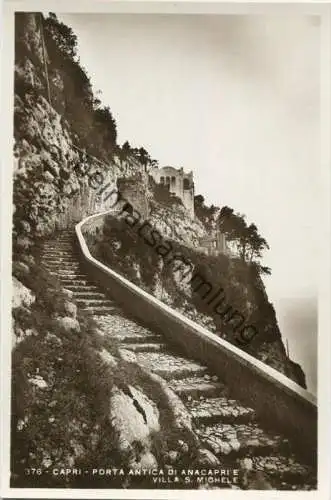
206,458
183,418
68,324
135,418
20,269
70,309
48,176
172,456
108,358
54,339
68,293
25,226
39,382
21,294
128,356
28,260
23,242
146,461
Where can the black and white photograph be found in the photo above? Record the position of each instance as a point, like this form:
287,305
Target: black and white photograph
166,199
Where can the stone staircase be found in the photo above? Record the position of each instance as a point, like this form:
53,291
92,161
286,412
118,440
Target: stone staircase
225,426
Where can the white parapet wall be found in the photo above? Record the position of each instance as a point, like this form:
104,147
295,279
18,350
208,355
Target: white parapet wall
279,402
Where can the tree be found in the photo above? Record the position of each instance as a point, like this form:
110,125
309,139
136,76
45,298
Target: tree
143,156
154,163
123,152
199,200
63,36
93,123
105,128
246,239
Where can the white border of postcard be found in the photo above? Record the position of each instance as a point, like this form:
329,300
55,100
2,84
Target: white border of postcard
324,352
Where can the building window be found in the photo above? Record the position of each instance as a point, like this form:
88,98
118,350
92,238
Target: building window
186,184
162,180
167,180
173,180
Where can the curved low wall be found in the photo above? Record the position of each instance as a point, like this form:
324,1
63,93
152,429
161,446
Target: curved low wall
278,401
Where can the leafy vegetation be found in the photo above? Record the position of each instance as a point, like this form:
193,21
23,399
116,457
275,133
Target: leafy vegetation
126,251
246,239
65,416
204,213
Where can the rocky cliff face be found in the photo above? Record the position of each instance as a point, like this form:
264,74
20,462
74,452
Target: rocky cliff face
55,181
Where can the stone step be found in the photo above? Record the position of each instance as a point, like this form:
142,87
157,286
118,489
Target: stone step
88,295
73,276
95,310
57,253
62,267
81,285
69,271
139,339
282,472
60,247
170,366
65,241
194,387
57,259
121,326
59,256
221,409
145,347
241,439
52,261
84,289
82,302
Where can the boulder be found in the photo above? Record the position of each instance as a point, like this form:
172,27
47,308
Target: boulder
135,418
68,293
70,309
25,226
183,419
23,242
146,461
68,324
108,358
21,294
128,356
28,260
39,382
48,176
172,456
206,458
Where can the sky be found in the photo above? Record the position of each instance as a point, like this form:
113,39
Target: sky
236,100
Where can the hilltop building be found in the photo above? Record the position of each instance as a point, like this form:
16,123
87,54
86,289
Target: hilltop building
214,244
178,182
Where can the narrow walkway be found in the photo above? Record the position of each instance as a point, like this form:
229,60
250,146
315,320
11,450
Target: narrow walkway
226,427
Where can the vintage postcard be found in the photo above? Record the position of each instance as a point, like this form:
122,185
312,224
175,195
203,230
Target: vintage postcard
166,209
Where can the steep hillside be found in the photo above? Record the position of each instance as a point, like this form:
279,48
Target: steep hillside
187,279
176,224
56,175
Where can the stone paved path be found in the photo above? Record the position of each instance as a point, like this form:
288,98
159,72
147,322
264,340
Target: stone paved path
224,426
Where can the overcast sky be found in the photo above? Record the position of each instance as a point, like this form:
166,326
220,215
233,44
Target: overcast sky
236,100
